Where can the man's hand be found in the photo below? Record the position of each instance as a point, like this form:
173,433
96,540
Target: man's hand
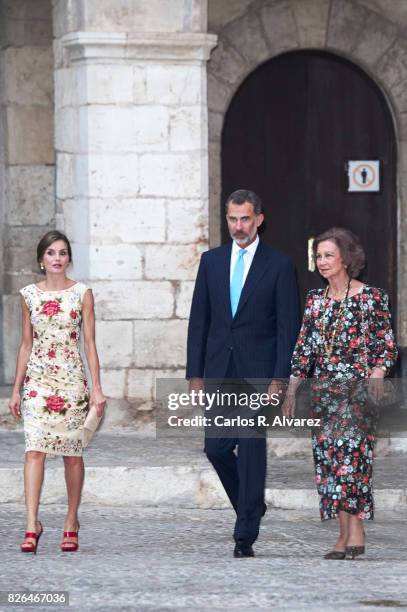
276,388
196,384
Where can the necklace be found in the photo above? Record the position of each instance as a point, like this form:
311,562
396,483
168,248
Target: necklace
329,345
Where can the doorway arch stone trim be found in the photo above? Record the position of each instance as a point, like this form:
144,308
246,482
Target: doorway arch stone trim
342,27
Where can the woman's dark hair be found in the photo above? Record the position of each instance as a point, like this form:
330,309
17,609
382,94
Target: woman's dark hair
349,246
48,239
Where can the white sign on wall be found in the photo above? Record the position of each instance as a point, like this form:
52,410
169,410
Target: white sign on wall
363,175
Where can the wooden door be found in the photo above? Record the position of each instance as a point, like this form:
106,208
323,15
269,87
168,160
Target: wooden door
289,131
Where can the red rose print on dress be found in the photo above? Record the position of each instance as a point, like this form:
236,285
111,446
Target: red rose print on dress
342,470
52,354
73,314
55,403
73,335
50,308
33,393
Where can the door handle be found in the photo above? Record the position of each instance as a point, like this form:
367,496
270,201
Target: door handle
311,260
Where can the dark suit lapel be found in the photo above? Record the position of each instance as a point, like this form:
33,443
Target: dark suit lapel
257,269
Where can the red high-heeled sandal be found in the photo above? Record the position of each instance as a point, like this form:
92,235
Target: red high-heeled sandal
31,547
70,546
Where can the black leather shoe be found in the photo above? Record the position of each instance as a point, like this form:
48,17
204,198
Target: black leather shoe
243,550
336,555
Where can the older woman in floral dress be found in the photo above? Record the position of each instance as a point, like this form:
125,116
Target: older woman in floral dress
346,338
55,394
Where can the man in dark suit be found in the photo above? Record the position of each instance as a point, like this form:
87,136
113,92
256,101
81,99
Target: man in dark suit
243,325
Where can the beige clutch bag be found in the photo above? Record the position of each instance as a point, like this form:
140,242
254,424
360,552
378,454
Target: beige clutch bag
90,425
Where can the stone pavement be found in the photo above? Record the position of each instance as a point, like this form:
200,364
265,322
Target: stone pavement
174,472
181,559
157,507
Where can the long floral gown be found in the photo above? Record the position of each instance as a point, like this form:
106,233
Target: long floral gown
343,446
55,393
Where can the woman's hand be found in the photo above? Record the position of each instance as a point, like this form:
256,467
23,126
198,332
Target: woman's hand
288,407
376,384
98,400
15,405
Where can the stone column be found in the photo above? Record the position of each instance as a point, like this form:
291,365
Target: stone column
132,181
27,170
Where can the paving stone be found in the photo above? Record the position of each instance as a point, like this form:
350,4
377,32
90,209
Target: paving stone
150,559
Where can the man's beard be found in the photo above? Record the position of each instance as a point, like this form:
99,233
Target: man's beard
245,239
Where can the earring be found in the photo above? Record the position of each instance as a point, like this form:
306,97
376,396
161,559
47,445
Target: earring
42,266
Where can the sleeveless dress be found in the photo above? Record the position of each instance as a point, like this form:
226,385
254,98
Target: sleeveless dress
343,448
55,393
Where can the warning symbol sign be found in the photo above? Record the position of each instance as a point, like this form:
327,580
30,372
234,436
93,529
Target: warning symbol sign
363,175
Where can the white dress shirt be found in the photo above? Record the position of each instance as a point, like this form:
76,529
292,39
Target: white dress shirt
247,257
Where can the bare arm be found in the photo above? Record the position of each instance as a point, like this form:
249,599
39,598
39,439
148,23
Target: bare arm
88,321
23,356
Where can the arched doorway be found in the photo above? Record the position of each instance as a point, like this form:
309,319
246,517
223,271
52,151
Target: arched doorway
288,133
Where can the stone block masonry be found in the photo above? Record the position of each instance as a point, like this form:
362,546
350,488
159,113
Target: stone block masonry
27,160
132,179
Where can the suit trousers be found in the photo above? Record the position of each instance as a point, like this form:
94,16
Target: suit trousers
242,473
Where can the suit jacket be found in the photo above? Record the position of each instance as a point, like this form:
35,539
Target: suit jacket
262,334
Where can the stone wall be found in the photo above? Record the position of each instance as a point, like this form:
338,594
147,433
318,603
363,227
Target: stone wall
27,153
131,145
131,142
129,16
370,33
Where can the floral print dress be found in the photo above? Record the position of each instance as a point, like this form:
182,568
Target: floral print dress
343,445
55,394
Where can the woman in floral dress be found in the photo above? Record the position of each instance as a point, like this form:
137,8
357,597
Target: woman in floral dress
55,398
346,337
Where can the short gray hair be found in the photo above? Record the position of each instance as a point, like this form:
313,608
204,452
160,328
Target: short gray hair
349,246
245,195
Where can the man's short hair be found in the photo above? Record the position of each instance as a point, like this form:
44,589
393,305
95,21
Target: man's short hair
245,195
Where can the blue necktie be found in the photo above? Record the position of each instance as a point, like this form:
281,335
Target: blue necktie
236,284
